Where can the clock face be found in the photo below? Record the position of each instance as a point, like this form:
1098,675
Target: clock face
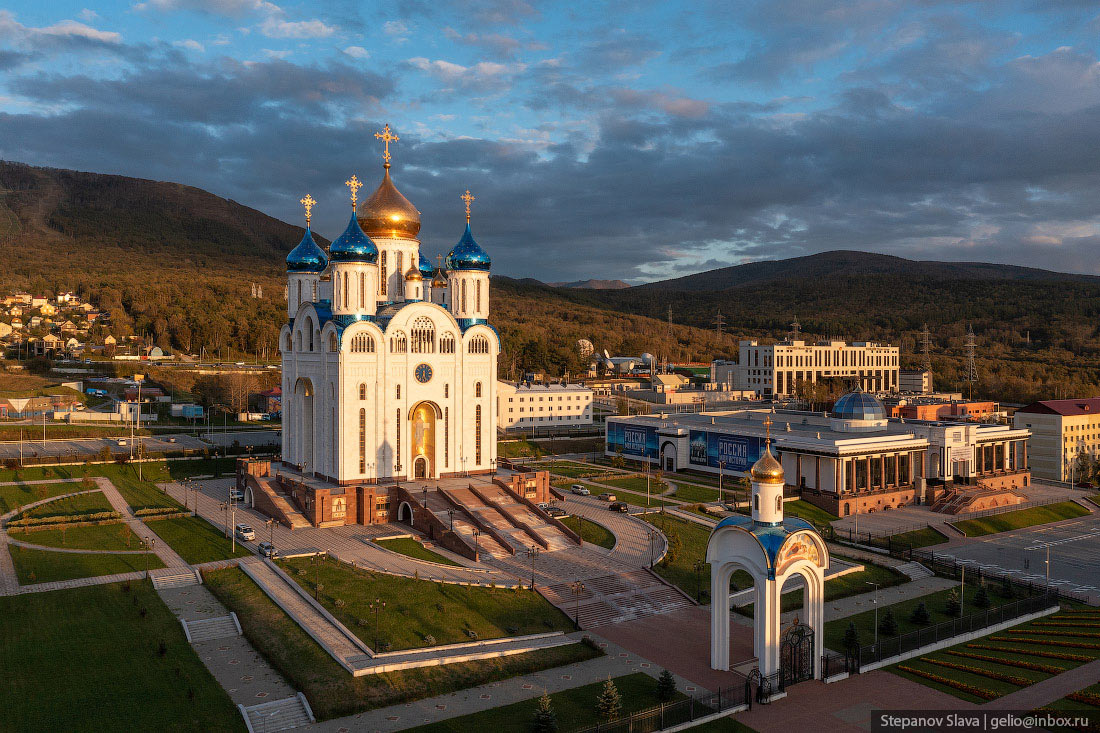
423,373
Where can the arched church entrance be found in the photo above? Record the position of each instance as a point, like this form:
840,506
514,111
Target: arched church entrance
303,394
422,423
668,457
405,513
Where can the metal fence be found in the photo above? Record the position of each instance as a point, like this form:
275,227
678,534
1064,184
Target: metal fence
891,646
949,566
674,713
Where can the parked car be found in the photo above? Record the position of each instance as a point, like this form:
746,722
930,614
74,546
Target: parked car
580,490
121,442
171,440
557,512
618,506
236,495
607,497
245,532
543,505
268,550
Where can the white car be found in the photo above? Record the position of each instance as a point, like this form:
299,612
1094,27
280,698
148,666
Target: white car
246,533
236,495
580,490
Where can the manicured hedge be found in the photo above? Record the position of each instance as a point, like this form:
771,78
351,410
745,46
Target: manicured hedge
967,688
999,676
1020,664
1034,653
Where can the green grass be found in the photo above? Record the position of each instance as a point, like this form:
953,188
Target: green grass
412,548
1022,518
807,511
620,494
18,495
331,691
71,506
44,566
518,449
919,538
690,492
569,470
85,659
637,484
680,569
139,494
574,708
590,531
419,608
112,536
195,539
1067,704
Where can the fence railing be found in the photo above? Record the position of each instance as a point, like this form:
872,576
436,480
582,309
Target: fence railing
833,664
891,646
951,567
674,713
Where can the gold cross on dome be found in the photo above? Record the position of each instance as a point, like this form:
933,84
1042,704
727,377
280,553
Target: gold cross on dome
439,261
354,184
768,427
386,136
308,202
469,199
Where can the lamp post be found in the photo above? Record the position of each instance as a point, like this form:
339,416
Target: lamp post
698,567
532,552
139,378
375,608
477,546
875,602
270,522
721,496
451,515
578,589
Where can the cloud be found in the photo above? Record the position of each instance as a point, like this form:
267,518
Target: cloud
88,15
228,8
189,44
274,27
398,30
357,52
66,30
485,75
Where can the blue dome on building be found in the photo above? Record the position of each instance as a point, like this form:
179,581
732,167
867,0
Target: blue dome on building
425,267
859,405
353,245
307,256
468,254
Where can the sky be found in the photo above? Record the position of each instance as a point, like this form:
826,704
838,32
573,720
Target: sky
632,140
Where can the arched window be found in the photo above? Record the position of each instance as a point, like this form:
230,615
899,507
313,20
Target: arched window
362,288
398,442
756,502
399,391
382,270
447,343
446,391
332,342
309,329
362,391
298,340
477,389
298,302
362,344
477,435
477,288
479,345
288,344
398,343
423,336
345,290
463,296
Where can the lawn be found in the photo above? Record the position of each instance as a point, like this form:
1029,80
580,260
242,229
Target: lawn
917,538
196,540
1022,518
418,611
71,506
88,659
590,531
691,492
44,566
574,708
1087,699
622,495
680,569
851,584
412,548
1002,662
139,494
805,510
112,536
331,691
18,495
638,484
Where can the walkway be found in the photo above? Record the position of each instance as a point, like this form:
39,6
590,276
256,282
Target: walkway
1049,690
167,555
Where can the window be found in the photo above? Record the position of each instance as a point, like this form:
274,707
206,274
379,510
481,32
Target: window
398,442
399,391
446,436
446,391
423,336
477,435
779,503
298,340
477,389
362,288
447,343
345,290
298,302
463,296
382,271
362,434
288,344
363,391
479,345
309,329
756,502
362,344
332,342
398,343
477,286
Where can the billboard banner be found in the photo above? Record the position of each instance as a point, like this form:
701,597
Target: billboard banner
735,452
633,440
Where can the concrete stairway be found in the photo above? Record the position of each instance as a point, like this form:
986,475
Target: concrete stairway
464,528
616,598
291,712
914,570
491,515
206,629
175,578
554,537
290,516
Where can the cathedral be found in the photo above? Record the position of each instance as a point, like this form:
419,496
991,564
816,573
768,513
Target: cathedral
389,364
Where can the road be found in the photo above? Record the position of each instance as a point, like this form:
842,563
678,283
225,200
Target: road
85,448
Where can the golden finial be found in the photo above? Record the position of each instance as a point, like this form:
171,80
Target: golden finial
768,428
386,136
469,199
354,184
439,261
308,202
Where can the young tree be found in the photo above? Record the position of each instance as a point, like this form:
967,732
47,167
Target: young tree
609,705
952,607
920,616
851,637
1007,591
981,600
545,720
888,626
666,686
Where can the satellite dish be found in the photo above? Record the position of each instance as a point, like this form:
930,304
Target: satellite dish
606,355
648,357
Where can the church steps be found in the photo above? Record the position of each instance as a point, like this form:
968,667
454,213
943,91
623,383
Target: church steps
488,519
440,503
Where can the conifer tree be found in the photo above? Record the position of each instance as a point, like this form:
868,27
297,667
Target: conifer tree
851,637
952,607
888,626
981,600
609,705
666,686
545,719
920,617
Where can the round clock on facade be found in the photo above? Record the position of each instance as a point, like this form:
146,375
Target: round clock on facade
423,373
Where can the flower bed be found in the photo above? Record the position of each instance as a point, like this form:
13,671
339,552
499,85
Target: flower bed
969,689
1076,624
1034,653
1088,698
1074,634
999,676
1034,666
1047,642
161,512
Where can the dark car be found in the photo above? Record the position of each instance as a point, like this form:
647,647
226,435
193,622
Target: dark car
557,512
618,506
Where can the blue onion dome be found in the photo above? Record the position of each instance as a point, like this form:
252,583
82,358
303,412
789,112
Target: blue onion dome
468,254
307,256
353,245
425,267
859,405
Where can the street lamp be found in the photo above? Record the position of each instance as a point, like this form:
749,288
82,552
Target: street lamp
698,567
375,608
271,526
721,464
451,514
876,611
532,552
477,547
578,589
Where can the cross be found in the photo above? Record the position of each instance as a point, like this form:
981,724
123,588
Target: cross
308,202
439,262
386,137
768,426
354,184
469,199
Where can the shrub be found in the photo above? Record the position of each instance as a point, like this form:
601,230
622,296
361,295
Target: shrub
971,689
920,616
999,676
981,600
1047,642
952,607
888,626
666,686
385,646
339,602
1007,589
429,640
512,630
851,637
609,705
1034,666
1033,653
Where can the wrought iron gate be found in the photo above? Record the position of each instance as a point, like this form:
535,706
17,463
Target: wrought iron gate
796,653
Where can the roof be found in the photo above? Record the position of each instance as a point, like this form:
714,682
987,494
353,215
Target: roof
770,536
1086,406
468,254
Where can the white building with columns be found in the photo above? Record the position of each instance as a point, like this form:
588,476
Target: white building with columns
389,366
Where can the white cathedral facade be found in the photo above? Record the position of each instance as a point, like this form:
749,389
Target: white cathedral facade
389,365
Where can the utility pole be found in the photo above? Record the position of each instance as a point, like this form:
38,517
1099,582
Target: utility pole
971,367
796,329
719,322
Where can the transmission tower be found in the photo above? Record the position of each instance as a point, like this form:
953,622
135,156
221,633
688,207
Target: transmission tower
719,322
926,348
795,328
971,367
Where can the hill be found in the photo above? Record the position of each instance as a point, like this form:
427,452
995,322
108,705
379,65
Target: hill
592,284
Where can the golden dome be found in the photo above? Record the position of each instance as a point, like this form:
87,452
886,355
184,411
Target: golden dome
768,470
413,274
387,213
